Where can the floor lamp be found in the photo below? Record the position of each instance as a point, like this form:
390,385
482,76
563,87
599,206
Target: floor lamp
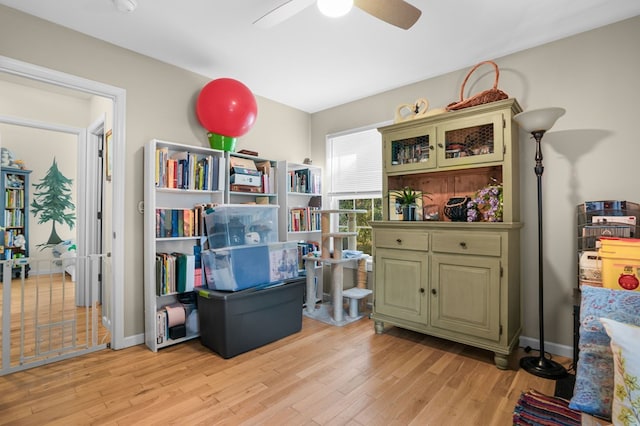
537,122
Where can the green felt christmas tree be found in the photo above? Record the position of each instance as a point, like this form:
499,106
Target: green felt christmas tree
52,200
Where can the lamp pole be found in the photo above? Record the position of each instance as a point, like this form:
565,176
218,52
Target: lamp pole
541,366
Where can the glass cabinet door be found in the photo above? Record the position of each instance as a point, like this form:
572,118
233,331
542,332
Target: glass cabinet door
410,150
475,140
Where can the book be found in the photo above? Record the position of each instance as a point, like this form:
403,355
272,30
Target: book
161,326
190,267
222,173
181,272
245,188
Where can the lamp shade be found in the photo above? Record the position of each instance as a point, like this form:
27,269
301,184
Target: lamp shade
335,8
538,119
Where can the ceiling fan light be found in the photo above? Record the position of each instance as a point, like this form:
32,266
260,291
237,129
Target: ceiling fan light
335,8
126,5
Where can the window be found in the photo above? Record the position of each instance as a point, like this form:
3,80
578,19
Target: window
354,166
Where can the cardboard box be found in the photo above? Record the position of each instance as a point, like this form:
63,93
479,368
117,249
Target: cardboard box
620,263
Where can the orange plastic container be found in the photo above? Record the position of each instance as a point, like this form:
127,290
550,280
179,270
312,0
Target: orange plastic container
620,263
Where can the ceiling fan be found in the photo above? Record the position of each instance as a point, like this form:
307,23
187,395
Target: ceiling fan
395,12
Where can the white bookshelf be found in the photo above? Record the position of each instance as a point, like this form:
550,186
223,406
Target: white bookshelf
296,196
158,196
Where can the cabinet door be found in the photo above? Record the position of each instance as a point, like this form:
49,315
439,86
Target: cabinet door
410,149
465,295
400,284
477,139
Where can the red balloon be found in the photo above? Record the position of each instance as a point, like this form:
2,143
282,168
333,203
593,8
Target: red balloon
227,107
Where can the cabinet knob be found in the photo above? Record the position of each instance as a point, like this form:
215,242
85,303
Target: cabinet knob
463,244
440,145
433,291
421,290
399,241
432,148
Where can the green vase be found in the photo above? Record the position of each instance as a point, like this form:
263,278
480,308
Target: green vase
221,142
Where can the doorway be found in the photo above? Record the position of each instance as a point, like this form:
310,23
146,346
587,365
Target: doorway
51,307
111,270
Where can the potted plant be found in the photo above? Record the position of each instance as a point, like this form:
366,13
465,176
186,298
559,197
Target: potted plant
407,200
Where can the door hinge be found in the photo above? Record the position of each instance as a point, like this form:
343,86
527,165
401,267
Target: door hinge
504,149
99,215
504,123
99,277
501,271
500,329
100,153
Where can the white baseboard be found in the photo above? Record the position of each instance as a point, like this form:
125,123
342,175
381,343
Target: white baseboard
550,347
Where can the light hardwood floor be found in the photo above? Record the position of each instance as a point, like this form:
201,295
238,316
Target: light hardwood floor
324,375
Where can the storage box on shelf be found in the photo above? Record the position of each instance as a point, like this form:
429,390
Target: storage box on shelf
596,219
178,180
243,249
429,275
251,179
242,267
240,224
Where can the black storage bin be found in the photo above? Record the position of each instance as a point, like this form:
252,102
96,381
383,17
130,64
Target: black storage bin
232,323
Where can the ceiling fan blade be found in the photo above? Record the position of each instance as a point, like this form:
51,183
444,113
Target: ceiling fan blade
395,12
281,13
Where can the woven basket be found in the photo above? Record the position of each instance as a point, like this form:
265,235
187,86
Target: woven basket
491,95
456,209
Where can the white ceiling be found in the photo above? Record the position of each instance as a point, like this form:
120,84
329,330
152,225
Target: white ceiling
312,62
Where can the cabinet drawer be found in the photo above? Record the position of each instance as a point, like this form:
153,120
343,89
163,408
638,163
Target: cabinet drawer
410,240
467,243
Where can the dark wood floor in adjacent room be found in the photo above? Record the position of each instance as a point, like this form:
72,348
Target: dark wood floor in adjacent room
324,375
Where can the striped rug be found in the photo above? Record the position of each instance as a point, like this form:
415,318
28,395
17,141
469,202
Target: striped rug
536,409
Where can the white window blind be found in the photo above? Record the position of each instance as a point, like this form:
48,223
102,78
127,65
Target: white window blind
355,163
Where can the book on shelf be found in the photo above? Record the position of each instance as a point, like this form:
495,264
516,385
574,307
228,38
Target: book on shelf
302,219
245,188
175,273
305,181
187,170
268,176
179,222
161,326
185,272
